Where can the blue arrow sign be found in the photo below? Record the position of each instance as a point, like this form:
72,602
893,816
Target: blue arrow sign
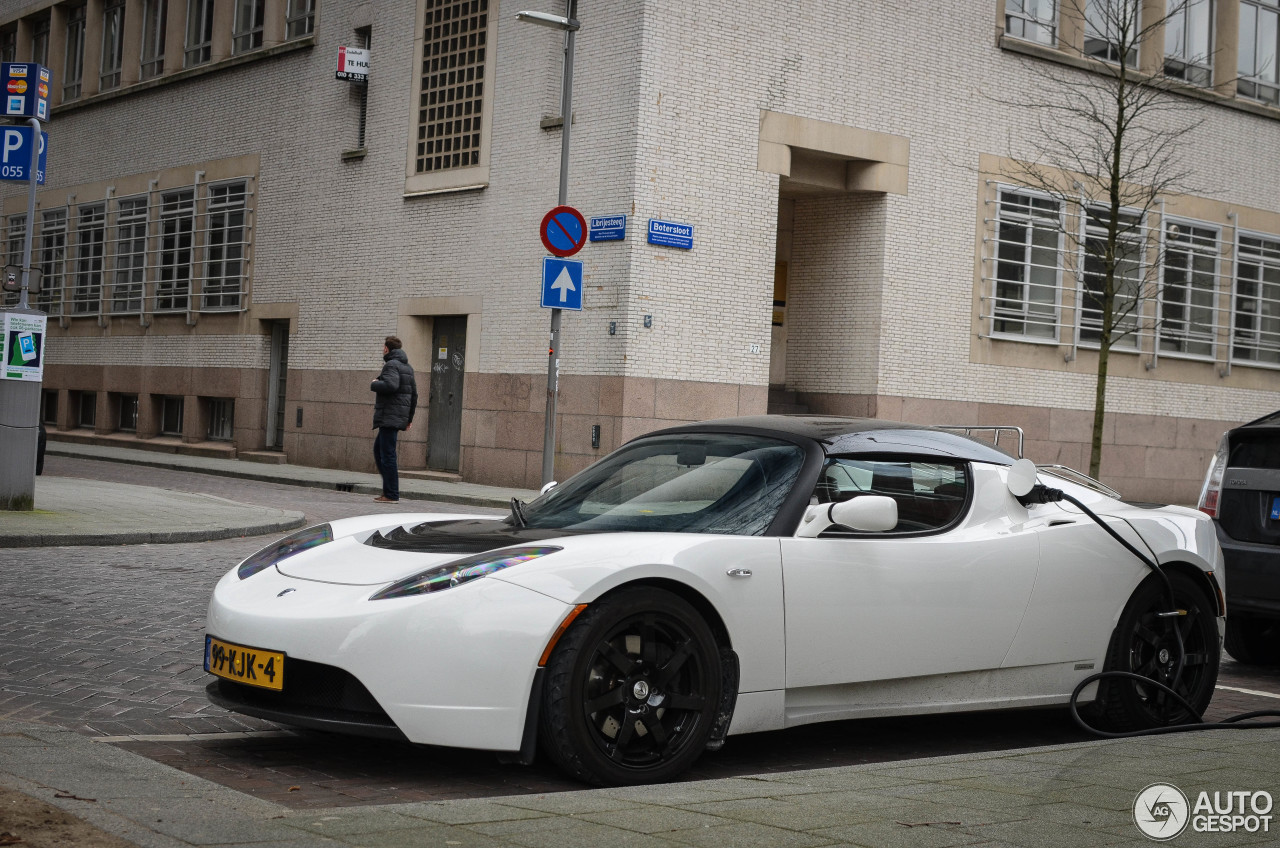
561,283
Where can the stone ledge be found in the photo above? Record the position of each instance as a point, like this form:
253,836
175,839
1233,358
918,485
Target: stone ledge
160,444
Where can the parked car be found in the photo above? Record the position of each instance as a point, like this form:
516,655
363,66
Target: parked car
1242,494
722,578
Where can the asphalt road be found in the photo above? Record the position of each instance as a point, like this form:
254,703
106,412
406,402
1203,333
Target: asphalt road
107,641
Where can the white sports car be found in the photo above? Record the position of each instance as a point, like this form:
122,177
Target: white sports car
723,578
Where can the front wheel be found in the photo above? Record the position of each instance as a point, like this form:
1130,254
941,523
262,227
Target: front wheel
1145,643
632,690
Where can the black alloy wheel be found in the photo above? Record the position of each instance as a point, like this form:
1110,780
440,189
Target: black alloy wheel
1145,643
632,690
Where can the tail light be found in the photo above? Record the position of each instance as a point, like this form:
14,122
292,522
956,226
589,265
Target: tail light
1212,488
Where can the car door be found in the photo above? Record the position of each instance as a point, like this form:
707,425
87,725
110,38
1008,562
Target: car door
944,592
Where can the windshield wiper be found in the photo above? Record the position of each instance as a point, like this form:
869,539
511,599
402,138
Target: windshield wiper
517,512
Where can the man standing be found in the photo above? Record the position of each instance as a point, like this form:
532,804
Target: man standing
397,399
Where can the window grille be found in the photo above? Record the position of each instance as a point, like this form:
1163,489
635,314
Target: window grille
129,413
112,44
300,18
129,277
1188,41
91,231
1259,49
1033,20
225,245
199,46
221,419
246,34
171,415
155,19
1029,241
1189,294
452,99
73,67
1127,280
177,228
1109,26
1256,330
53,260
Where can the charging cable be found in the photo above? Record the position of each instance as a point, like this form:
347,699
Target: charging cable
1041,494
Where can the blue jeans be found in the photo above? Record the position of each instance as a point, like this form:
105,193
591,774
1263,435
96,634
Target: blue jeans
384,456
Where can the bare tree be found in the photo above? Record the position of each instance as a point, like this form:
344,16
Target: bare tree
1111,141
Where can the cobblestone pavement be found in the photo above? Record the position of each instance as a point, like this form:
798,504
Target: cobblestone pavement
106,641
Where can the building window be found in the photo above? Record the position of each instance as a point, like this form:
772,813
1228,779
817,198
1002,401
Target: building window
246,34
1259,47
177,223
171,416
452,98
199,32
112,44
91,232
50,415
1126,302
1188,41
9,46
300,18
1029,240
88,409
73,67
154,21
130,255
1256,332
221,419
225,244
40,42
1112,26
1188,298
129,413
1033,20
53,260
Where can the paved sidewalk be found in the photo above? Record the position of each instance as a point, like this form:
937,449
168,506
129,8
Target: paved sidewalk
1054,797
72,511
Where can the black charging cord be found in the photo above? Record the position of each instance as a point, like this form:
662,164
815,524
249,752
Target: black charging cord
1041,494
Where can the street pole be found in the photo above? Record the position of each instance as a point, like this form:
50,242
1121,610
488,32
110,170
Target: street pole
553,352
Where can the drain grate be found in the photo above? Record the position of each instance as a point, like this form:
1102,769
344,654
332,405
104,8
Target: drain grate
344,487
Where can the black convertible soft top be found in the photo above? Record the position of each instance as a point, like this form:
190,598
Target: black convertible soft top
839,436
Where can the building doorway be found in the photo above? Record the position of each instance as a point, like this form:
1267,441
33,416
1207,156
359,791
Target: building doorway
277,380
444,402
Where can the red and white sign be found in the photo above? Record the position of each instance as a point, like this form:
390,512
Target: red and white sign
353,64
17,86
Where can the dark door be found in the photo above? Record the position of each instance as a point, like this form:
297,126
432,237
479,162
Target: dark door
277,380
444,404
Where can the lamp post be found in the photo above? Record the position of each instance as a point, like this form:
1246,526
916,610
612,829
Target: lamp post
568,24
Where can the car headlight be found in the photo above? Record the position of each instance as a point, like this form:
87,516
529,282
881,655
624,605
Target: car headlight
461,571
295,543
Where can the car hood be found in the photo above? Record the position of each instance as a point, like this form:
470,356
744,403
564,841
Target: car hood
389,553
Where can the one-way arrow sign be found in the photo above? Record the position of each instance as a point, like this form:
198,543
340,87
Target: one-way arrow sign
561,283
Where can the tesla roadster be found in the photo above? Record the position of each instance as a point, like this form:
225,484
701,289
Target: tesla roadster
723,578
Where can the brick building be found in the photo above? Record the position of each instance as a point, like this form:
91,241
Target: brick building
228,231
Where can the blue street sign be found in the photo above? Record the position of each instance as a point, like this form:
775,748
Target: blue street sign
608,228
15,154
561,283
670,234
26,90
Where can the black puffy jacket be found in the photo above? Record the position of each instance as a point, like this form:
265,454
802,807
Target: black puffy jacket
397,392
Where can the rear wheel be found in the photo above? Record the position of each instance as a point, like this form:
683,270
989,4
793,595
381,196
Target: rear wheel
1144,643
632,690
1253,641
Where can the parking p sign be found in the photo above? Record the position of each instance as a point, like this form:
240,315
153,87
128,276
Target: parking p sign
15,154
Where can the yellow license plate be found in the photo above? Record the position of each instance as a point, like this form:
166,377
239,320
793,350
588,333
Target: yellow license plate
253,666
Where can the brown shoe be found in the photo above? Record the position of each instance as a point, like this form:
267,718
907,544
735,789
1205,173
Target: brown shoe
382,499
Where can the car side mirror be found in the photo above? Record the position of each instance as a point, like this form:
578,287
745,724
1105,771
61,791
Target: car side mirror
1022,477
864,513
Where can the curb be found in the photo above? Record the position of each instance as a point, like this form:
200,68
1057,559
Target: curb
53,540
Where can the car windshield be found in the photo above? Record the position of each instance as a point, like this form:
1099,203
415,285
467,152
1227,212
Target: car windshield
690,483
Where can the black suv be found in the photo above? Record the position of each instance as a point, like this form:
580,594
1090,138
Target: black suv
1242,493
